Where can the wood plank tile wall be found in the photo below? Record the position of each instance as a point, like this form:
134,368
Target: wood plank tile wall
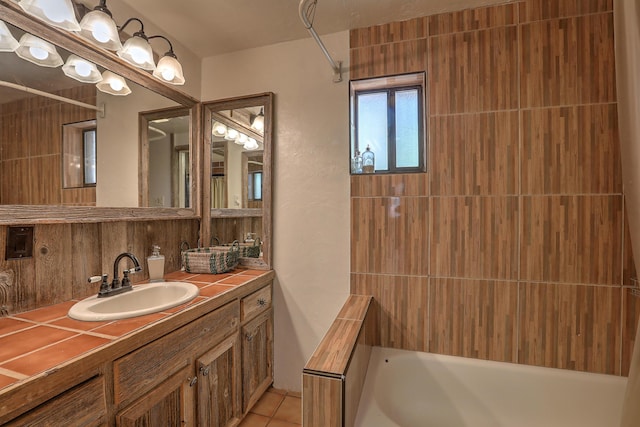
514,245
31,149
65,255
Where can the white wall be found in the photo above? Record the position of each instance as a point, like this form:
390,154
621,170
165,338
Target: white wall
311,184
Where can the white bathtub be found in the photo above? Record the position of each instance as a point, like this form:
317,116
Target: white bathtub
411,389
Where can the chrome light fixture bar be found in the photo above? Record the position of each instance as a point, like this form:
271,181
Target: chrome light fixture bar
82,70
169,69
38,51
137,50
8,43
58,13
99,28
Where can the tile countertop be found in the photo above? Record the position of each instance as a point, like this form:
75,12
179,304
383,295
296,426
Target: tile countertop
38,340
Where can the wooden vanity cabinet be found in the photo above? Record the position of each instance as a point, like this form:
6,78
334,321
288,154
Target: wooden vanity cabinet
257,345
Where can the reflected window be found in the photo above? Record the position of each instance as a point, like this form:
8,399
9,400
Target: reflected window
79,154
255,186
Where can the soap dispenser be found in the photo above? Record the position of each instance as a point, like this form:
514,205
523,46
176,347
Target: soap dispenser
155,262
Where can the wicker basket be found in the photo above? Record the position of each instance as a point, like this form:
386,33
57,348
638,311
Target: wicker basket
212,260
247,250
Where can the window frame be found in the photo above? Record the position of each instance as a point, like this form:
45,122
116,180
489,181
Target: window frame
391,85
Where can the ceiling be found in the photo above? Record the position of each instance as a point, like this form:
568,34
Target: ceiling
212,27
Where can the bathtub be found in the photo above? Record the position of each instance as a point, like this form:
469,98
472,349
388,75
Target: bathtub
411,389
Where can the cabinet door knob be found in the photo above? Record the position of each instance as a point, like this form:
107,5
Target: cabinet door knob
192,381
204,370
262,302
249,337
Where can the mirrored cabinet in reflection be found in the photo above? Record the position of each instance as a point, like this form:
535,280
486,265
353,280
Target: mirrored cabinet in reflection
237,184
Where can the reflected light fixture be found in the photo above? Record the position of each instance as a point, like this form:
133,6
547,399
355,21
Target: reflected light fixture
58,13
218,129
137,50
231,134
113,84
100,29
81,70
38,51
242,139
8,43
169,69
251,144
258,121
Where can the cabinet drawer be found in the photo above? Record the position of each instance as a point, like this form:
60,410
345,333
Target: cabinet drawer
255,303
84,405
140,371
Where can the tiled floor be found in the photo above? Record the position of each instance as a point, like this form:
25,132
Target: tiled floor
276,408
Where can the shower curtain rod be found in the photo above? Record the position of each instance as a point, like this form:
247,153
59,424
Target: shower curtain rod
52,96
303,8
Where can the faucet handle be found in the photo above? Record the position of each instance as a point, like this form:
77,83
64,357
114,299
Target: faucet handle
95,279
133,270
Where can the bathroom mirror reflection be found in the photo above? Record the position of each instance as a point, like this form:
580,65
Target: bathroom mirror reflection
37,156
237,187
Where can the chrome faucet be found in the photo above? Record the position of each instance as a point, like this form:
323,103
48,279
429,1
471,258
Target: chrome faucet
116,287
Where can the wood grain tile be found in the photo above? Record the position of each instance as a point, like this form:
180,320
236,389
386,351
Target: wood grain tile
355,308
390,185
536,10
334,351
473,318
474,237
473,19
473,71
570,326
548,60
388,59
389,33
630,323
402,308
572,239
325,408
571,150
595,59
474,154
388,235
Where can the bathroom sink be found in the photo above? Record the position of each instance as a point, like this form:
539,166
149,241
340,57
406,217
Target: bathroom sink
143,299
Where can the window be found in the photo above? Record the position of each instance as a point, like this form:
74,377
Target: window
79,148
255,186
387,124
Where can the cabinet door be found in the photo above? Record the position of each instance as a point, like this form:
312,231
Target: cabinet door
257,358
219,385
170,404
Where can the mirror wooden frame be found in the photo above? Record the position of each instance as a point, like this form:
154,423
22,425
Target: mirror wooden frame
266,100
19,214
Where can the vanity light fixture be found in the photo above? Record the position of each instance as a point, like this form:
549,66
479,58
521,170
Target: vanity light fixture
242,139
251,144
8,43
38,51
81,70
58,13
137,50
100,29
113,84
218,129
231,134
169,69
258,121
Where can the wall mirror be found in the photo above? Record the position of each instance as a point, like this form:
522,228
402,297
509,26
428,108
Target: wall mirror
41,152
237,187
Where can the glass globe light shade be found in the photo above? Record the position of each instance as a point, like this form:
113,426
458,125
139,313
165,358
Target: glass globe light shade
58,13
137,52
100,29
169,70
82,70
38,51
8,43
